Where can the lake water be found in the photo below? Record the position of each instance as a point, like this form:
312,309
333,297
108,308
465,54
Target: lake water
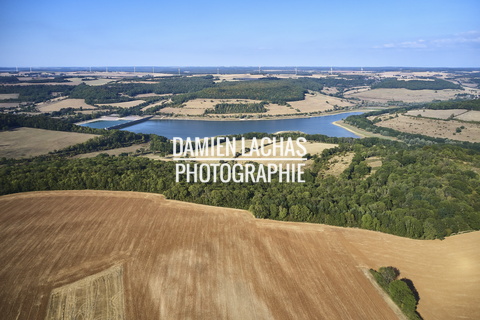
102,124
201,128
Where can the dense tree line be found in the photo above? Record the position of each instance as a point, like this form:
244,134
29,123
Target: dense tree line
418,192
274,91
36,93
11,121
9,79
473,104
436,84
170,85
98,94
223,108
402,291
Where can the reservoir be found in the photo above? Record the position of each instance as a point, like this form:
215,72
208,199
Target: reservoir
102,124
205,128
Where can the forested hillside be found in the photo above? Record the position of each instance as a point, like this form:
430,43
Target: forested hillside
36,93
119,92
223,108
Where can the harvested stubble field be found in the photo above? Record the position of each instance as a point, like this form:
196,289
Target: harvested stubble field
211,152
469,116
339,163
59,104
197,107
185,261
115,152
7,96
432,127
28,142
128,104
405,95
317,102
437,114
458,114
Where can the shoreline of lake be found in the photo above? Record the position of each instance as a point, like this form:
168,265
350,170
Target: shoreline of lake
278,117
190,128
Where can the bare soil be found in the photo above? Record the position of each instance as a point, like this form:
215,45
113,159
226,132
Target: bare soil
187,261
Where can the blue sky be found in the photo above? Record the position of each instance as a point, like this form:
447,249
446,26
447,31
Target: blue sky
420,33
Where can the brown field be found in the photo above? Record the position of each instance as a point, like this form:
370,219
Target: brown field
438,114
128,104
276,110
338,164
197,107
156,104
433,128
315,102
99,296
4,105
145,95
311,147
405,95
59,104
29,142
115,152
98,82
356,90
469,116
186,261
330,90
6,96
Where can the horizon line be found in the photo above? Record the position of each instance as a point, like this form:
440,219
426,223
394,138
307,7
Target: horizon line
234,66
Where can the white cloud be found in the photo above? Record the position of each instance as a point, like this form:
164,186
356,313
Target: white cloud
464,38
